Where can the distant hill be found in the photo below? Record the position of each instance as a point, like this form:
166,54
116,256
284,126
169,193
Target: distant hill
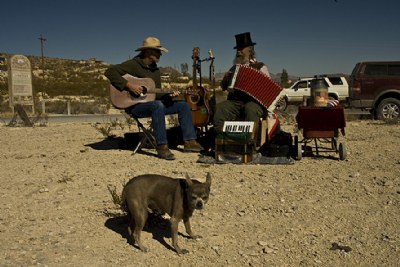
79,77
62,76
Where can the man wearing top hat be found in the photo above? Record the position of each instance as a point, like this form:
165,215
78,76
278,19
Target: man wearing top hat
239,103
144,65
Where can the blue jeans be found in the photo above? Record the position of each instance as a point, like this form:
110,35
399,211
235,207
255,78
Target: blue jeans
157,111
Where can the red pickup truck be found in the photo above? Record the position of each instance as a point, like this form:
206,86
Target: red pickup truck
375,86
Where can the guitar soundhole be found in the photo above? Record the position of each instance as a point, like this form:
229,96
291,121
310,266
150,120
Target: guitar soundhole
194,98
144,91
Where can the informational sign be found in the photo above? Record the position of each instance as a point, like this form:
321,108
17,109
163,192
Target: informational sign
20,80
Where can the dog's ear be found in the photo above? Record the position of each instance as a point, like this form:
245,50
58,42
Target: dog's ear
208,179
188,180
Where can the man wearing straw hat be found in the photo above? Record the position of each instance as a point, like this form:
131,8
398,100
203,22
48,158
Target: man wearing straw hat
144,65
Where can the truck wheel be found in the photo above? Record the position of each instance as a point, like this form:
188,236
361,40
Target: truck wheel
388,109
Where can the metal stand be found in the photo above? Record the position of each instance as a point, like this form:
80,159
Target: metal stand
147,138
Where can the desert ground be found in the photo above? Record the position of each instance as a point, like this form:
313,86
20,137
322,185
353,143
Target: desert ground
56,207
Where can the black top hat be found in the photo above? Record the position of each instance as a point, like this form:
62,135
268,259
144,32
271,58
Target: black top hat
243,40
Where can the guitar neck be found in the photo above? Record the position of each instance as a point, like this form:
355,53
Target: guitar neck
162,90
194,76
195,58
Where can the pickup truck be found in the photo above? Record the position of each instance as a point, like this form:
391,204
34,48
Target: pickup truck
337,89
375,86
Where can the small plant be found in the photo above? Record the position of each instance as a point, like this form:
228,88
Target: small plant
115,124
41,119
105,130
116,197
129,121
108,128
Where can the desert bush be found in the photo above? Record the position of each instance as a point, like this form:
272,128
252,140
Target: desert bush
107,129
117,198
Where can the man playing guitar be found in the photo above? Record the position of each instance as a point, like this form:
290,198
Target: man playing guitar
144,65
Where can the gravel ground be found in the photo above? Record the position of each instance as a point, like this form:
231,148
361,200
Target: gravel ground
56,209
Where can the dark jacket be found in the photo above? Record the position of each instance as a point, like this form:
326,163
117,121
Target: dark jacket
134,67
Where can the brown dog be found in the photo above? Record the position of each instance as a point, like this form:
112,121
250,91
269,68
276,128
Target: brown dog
160,194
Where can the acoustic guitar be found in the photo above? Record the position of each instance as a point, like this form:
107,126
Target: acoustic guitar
196,97
123,99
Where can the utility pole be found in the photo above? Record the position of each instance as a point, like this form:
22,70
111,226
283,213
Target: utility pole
42,40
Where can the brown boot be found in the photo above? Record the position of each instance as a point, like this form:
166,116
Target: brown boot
192,146
163,152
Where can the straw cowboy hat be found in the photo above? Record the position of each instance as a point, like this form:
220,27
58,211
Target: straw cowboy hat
152,43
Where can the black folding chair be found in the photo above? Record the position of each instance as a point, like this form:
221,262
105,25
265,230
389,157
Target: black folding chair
147,139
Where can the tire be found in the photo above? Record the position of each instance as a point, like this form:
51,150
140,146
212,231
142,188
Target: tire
342,151
298,147
388,109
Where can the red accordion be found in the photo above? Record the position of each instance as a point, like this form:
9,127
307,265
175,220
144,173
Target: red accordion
258,85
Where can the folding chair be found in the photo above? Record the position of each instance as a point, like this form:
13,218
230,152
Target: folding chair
147,138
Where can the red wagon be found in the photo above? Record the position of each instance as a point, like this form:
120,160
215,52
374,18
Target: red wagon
321,126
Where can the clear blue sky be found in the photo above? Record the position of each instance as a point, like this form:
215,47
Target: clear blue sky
305,37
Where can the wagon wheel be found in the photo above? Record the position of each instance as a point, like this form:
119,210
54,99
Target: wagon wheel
342,151
298,147
334,144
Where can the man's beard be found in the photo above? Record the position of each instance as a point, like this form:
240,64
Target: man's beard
154,59
240,59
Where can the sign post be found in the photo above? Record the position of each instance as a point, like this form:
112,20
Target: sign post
20,81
